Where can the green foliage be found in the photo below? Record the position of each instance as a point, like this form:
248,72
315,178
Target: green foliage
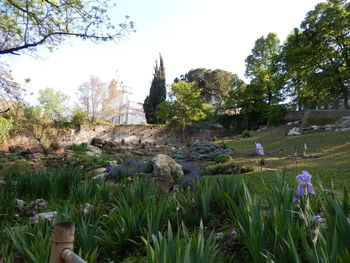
260,67
157,93
31,241
222,158
315,58
184,108
54,104
225,120
49,23
79,117
246,134
78,148
213,84
5,128
275,114
229,167
185,247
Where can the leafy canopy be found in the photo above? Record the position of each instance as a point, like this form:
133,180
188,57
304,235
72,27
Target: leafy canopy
28,24
185,107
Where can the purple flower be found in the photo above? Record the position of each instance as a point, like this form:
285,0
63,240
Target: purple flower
304,185
317,218
259,149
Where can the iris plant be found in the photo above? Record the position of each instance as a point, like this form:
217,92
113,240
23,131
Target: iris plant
259,149
304,185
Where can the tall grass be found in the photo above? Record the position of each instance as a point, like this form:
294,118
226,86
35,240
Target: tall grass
185,247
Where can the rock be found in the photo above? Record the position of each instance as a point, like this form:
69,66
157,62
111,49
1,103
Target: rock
34,156
37,204
315,127
93,150
95,172
20,203
98,141
294,131
165,171
86,207
100,177
43,216
2,182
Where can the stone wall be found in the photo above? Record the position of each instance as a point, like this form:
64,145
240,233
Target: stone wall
118,133
293,116
323,117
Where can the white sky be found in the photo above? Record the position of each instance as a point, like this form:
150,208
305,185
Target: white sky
188,33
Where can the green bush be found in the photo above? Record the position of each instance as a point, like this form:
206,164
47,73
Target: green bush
222,158
246,134
79,117
77,148
5,128
225,120
225,168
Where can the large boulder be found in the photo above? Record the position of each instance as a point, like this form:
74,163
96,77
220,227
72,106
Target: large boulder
93,150
165,171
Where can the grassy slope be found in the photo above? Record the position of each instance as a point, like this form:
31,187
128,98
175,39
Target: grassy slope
331,167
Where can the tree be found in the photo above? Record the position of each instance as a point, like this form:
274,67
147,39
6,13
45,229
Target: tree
157,93
28,24
54,103
111,100
261,69
184,107
214,84
9,89
98,99
91,96
322,45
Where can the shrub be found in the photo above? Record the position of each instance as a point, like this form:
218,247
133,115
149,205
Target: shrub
79,117
226,168
130,168
246,134
225,120
222,158
5,128
78,148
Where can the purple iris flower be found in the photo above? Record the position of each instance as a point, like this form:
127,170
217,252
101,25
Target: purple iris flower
259,149
304,185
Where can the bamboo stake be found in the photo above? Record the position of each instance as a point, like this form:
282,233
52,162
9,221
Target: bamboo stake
62,238
70,257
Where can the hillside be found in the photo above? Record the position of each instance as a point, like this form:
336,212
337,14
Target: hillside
328,154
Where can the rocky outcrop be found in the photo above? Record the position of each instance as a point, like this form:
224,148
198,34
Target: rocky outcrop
165,171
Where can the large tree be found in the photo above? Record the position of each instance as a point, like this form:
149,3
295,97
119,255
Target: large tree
317,56
29,23
157,93
260,67
214,84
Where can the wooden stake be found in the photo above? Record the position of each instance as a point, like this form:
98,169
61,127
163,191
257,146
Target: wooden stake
62,238
70,257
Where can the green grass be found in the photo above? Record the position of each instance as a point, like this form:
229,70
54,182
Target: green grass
333,149
332,167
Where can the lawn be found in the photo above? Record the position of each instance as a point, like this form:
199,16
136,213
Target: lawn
285,153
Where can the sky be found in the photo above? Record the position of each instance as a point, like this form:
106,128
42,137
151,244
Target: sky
189,34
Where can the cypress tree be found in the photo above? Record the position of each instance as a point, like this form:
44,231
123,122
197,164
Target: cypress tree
157,93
